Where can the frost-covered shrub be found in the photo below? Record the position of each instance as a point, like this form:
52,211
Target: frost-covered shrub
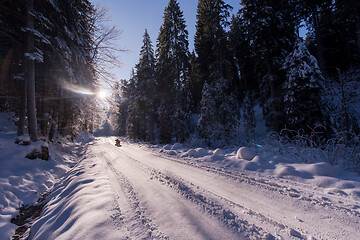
314,149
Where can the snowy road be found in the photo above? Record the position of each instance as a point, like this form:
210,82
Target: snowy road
136,194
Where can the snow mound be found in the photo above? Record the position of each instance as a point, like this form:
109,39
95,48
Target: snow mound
38,150
218,152
245,153
250,166
259,160
171,153
284,170
177,146
320,169
196,153
218,155
22,140
167,147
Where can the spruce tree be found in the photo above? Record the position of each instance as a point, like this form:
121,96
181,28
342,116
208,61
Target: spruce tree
302,91
271,31
173,70
218,106
141,118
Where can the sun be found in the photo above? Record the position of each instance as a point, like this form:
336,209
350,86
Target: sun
102,94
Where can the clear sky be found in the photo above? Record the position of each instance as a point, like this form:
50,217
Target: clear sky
133,16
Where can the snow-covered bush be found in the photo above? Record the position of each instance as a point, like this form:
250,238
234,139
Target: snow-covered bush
315,148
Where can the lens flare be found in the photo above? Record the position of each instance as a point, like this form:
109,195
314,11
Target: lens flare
77,89
102,94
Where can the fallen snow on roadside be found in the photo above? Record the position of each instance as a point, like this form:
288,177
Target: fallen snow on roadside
23,181
254,162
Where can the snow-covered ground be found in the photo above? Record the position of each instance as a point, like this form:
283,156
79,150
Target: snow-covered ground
140,191
23,181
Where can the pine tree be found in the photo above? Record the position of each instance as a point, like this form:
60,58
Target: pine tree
63,43
132,122
316,14
302,88
210,129
210,38
218,114
141,118
271,31
173,70
195,86
347,34
119,107
240,46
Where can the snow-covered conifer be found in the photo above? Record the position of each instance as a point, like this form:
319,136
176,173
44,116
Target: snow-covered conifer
141,117
271,32
302,90
173,66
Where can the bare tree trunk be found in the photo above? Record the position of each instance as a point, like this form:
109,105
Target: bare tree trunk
319,43
30,73
22,115
345,120
357,17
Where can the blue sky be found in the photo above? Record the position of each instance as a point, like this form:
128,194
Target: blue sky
132,17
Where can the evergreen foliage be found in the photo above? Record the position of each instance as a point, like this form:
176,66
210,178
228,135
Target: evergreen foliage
141,117
218,115
270,27
64,44
172,94
303,89
173,72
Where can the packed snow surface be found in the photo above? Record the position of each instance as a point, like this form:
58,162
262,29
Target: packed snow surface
140,191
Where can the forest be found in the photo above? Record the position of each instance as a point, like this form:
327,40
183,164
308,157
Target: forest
306,87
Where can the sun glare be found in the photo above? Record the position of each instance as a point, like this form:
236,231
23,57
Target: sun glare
102,94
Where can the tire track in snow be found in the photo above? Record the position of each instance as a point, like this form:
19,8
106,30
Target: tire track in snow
306,197
208,205
137,224
323,201
200,224
213,206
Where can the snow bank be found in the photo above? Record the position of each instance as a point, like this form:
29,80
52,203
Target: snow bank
79,206
23,181
319,169
177,146
271,163
196,153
